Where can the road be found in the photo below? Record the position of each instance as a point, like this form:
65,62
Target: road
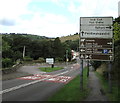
38,87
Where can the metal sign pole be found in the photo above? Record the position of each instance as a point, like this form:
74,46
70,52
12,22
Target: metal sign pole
81,75
88,68
109,77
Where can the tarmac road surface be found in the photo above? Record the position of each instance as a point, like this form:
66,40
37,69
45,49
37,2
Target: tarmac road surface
38,87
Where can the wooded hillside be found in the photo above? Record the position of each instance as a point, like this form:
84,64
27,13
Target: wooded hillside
34,47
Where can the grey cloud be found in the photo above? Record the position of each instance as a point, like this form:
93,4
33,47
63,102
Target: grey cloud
7,22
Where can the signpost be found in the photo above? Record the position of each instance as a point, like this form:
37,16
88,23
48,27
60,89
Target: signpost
50,61
96,39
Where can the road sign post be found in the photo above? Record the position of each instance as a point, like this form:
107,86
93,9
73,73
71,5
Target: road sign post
88,68
50,61
109,77
96,40
81,75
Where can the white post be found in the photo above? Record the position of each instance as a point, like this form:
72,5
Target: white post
23,51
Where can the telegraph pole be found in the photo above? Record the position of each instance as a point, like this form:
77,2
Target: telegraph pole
23,51
66,57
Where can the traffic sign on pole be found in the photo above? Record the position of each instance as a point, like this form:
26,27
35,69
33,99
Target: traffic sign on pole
96,41
96,38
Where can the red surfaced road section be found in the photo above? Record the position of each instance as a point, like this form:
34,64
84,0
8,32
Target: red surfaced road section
51,78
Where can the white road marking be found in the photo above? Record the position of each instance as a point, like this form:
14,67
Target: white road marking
60,79
27,84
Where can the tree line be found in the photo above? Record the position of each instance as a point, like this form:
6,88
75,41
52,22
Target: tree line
36,47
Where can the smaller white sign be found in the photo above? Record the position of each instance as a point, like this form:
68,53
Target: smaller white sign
50,60
96,21
97,28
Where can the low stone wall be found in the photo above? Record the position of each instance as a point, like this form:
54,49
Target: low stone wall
12,69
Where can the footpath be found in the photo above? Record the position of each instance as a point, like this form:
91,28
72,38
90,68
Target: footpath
95,86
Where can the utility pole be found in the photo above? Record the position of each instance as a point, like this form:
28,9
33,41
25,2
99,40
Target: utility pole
23,51
66,57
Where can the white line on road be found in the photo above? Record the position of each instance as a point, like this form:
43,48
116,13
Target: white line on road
27,84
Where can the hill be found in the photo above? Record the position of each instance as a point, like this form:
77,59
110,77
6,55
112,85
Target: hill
37,37
30,36
70,37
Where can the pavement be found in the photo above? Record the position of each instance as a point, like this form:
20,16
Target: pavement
95,86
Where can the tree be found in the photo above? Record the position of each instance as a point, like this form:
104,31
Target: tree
116,31
116,69
5,45
58,48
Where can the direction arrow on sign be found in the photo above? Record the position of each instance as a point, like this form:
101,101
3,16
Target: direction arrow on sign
110,43
96,28
96,34
82,50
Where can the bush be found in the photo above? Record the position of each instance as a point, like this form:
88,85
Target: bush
58,59
6,62
27,58
40,60
96,64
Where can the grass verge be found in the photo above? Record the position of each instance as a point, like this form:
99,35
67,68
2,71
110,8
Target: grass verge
49,69
115,89
71,91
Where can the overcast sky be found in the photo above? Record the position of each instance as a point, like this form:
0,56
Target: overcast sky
51,18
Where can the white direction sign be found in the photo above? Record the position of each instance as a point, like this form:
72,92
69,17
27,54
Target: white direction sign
96,21
96,27
50,60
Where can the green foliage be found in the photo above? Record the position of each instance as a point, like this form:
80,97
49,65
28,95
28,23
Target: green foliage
73,44
6,62
40,60
35,47
58,59
117,19
58,48
5,45
116,31
114,96
96,64
116,63
71,91
49,69
0,42
27,58
71,37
